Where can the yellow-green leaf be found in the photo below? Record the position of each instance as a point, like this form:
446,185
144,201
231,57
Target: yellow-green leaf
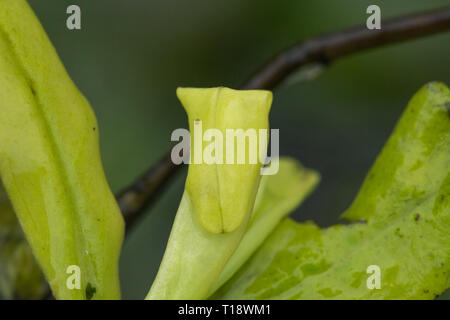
218,199
405,202
50,163
223,192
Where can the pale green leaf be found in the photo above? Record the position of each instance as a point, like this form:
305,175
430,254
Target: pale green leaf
405,203
50,162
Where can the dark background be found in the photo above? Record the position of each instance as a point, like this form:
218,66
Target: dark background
131,55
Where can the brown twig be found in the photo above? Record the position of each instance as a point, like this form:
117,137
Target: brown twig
324,49
328,48
133,199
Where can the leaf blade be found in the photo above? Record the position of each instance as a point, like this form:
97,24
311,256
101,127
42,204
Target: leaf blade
409,241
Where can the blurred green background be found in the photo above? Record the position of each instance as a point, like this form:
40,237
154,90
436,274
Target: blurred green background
130,56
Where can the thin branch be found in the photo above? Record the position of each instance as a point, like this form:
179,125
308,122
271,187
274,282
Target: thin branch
134,199
328,48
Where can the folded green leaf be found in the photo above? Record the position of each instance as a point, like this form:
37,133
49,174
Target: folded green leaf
405,201
223,192
219,197
50,162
